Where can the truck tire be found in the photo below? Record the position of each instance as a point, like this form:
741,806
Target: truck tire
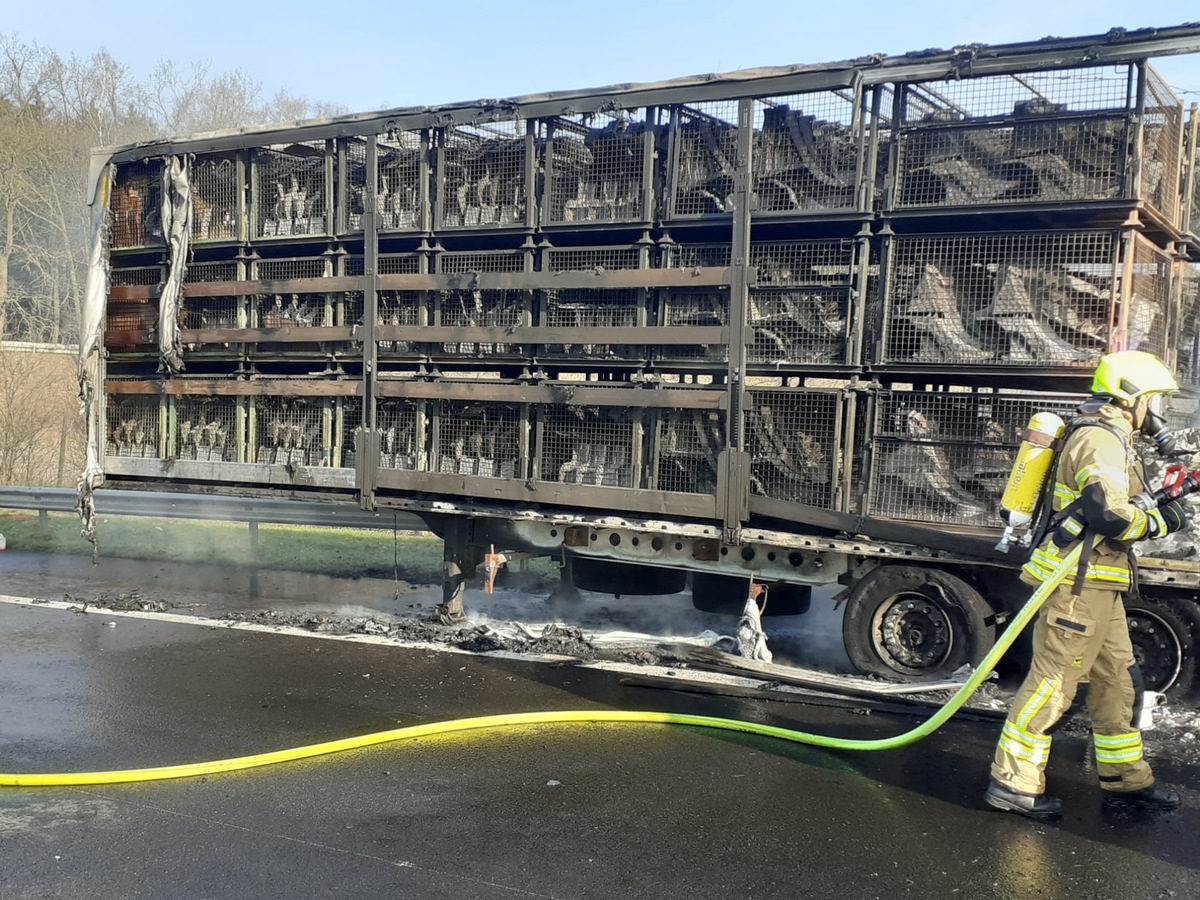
1164,629
914,623
726,595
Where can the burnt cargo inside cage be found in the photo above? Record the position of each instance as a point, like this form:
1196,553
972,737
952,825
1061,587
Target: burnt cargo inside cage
733,301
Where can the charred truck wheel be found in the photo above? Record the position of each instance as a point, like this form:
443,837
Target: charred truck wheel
726,594
916,623
1164,629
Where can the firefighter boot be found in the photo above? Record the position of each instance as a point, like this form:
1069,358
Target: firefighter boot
1147,798
1035,806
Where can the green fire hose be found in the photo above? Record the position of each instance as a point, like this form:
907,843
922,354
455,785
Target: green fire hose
1018,623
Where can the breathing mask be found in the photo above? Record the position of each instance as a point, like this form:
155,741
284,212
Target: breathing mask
1154,426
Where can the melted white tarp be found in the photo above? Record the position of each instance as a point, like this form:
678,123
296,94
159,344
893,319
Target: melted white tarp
91,319
177,228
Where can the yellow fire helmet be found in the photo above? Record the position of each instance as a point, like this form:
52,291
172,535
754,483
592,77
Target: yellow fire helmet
1128,374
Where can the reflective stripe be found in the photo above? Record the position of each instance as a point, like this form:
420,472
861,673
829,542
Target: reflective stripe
1072,526
1118,748
1038,756
1118,741
1023,745
1115,757
1065,494
1137,526
1042,563
1034,704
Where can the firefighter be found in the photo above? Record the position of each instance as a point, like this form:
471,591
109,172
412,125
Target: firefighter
1081,635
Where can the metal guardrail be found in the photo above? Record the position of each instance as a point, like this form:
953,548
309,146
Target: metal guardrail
221,508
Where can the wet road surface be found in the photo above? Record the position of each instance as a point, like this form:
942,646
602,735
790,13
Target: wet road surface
564,812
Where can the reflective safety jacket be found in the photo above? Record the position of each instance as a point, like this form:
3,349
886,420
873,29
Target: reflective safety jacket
1102,471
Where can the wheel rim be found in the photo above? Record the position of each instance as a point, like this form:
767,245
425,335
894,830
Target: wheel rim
912,633
1156,649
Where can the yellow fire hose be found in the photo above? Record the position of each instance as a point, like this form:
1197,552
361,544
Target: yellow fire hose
1022,618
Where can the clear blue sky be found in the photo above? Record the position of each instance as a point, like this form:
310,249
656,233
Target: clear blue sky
369,55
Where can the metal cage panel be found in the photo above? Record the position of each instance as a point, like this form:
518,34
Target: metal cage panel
349,433
1187,332
135,426
408,308
482,175
206,429
401,435
704,307
483,309
135,207
687,443
137,275
486,440
280,310
1162,137
793,438
587,308
289,190
216,198
798,326
1038,137
597,165
589,445
704,158
591,259
1007,298
1148,310
461,263
292,431
198,272
806,153
946,456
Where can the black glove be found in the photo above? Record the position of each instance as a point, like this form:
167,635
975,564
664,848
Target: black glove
1167,519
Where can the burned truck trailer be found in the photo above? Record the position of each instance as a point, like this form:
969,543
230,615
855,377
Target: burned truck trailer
783,322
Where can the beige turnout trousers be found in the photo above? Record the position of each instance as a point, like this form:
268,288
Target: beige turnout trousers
1076,639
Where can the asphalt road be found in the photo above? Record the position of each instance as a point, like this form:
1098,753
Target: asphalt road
564,812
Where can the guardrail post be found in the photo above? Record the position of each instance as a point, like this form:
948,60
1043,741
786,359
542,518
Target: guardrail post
254,536
43,519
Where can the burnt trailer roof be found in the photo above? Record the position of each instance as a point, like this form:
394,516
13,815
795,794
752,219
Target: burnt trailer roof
1118,45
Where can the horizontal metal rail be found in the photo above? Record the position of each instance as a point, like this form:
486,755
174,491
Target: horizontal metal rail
212,507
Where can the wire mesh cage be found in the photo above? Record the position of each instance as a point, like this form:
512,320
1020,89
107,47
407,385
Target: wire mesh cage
277,310
587,308
1187,339
806,152
1008,298
593,445
702,307
799,311
292,431
206,429
946,456
208,272
1147,295
1162,136
595,259
483,309
135,426
400,181
396,308
131,324
1039,137
482,439
462,262
691,256
401,435
135,207
482,175
216,198
687,443
349,428
289,189
792,436
704,158
597,166
1190,196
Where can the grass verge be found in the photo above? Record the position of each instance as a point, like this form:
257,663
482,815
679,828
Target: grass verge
296,548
